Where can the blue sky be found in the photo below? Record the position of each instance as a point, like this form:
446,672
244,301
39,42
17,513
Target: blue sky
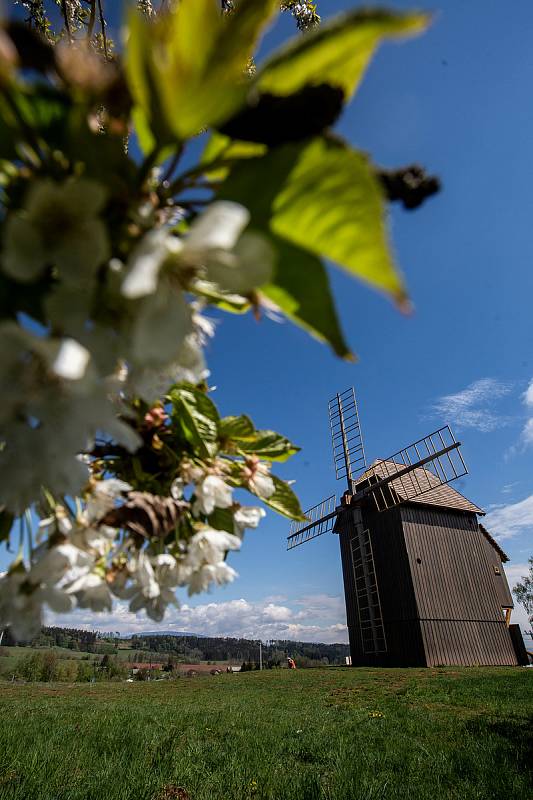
459,101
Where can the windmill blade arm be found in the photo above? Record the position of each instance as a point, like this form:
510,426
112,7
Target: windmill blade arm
320,519
406,470
418,468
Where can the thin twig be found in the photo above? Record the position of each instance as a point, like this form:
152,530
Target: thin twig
173,163
92,20
64,9
102,27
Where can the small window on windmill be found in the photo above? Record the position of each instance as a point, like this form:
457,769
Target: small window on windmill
497,570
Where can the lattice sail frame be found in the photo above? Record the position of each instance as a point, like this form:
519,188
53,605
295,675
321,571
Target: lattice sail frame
420,467
346,436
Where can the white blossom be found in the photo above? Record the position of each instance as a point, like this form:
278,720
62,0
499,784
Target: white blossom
209,546
247,517
162,322
155,580
91,591
189,366
53,563
45,420
21,603
58,224
259,479
218,228
212,493
71,360
146,261
103,495
200,580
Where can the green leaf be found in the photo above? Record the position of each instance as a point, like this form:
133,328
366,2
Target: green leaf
239,434
222,520
268,445
337,52
325,198
236,427
187,68
300,288
220,151
198,418
6,523
284,501
227,301
41,109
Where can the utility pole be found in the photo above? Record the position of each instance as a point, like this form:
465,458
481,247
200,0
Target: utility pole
260,654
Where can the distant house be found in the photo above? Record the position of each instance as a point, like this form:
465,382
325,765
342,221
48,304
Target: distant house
200,669
134,667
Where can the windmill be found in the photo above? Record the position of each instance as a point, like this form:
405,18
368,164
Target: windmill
423,580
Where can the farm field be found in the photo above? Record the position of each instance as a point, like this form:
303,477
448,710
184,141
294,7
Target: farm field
337,734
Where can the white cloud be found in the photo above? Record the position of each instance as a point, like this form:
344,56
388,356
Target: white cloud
511,520
473,407
528,395
526,434
514,573
321,620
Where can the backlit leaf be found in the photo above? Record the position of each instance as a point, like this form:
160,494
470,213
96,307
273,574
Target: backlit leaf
337,52
197,416
187,68
300,288
284,501
325,198
240,427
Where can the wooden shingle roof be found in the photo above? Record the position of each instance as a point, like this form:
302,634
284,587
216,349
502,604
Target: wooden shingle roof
419,486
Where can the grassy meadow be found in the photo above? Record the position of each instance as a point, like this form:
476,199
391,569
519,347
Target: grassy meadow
334,733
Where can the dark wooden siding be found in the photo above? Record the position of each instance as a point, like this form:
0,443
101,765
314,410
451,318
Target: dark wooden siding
398,606
467,643
452,577
503,592
457,600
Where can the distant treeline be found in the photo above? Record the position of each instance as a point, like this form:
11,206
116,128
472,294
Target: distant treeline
189,649
275,652
71,638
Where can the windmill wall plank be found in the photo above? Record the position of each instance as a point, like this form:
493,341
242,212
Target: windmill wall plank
440,603
459,603
500,581
467,643
452,575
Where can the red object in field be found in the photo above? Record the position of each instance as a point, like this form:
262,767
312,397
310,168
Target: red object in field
291,663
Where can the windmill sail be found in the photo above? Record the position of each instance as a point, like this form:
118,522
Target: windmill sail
320,519
424,467
347,439
421,467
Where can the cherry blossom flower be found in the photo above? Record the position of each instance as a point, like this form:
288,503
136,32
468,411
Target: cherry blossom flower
247,517
212,493
59,224
258,478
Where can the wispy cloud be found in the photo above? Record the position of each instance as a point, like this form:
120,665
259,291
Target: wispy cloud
526,436
515,573
317,619
511,520
509,487
474,407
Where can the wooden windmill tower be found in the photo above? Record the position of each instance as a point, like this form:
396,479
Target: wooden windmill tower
423,580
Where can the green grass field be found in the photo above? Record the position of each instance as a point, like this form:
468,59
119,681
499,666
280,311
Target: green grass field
337,733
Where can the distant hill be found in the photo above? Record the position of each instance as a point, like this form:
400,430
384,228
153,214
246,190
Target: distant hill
162,633
191,648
